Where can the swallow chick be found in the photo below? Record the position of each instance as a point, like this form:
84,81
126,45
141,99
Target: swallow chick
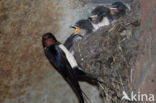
100,17
62,60
82,27
119,9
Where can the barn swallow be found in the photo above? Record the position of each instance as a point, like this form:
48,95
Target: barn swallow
100,16
76,69
61,59
82,27
119,9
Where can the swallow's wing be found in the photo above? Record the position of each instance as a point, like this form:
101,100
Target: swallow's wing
70,77
53,57
85,76
58,59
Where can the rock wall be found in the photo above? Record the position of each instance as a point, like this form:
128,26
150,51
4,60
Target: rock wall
25,74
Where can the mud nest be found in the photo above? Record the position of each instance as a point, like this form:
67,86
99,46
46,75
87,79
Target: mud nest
110,53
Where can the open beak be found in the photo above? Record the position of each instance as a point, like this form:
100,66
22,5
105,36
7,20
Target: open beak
76,29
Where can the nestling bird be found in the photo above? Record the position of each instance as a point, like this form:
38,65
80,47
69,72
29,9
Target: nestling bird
63,61
82,27
119,9
100,17
103,16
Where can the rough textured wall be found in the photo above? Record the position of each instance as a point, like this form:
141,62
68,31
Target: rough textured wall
25,74
146,61
23,67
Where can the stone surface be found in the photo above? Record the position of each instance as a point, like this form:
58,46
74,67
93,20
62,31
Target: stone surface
145,73
26,76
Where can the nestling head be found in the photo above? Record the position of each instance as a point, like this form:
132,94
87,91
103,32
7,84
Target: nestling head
118,7
98,13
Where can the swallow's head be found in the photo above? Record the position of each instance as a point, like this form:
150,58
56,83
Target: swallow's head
48,39
98,13
119,7
84,26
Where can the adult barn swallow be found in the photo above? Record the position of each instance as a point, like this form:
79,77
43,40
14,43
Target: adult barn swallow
68,57
82,27
100,16
61,59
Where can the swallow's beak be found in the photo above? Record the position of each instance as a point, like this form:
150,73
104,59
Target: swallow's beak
76,29
93,17
113,10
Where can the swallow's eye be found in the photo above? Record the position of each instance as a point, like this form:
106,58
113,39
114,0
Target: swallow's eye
49,42
45,37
